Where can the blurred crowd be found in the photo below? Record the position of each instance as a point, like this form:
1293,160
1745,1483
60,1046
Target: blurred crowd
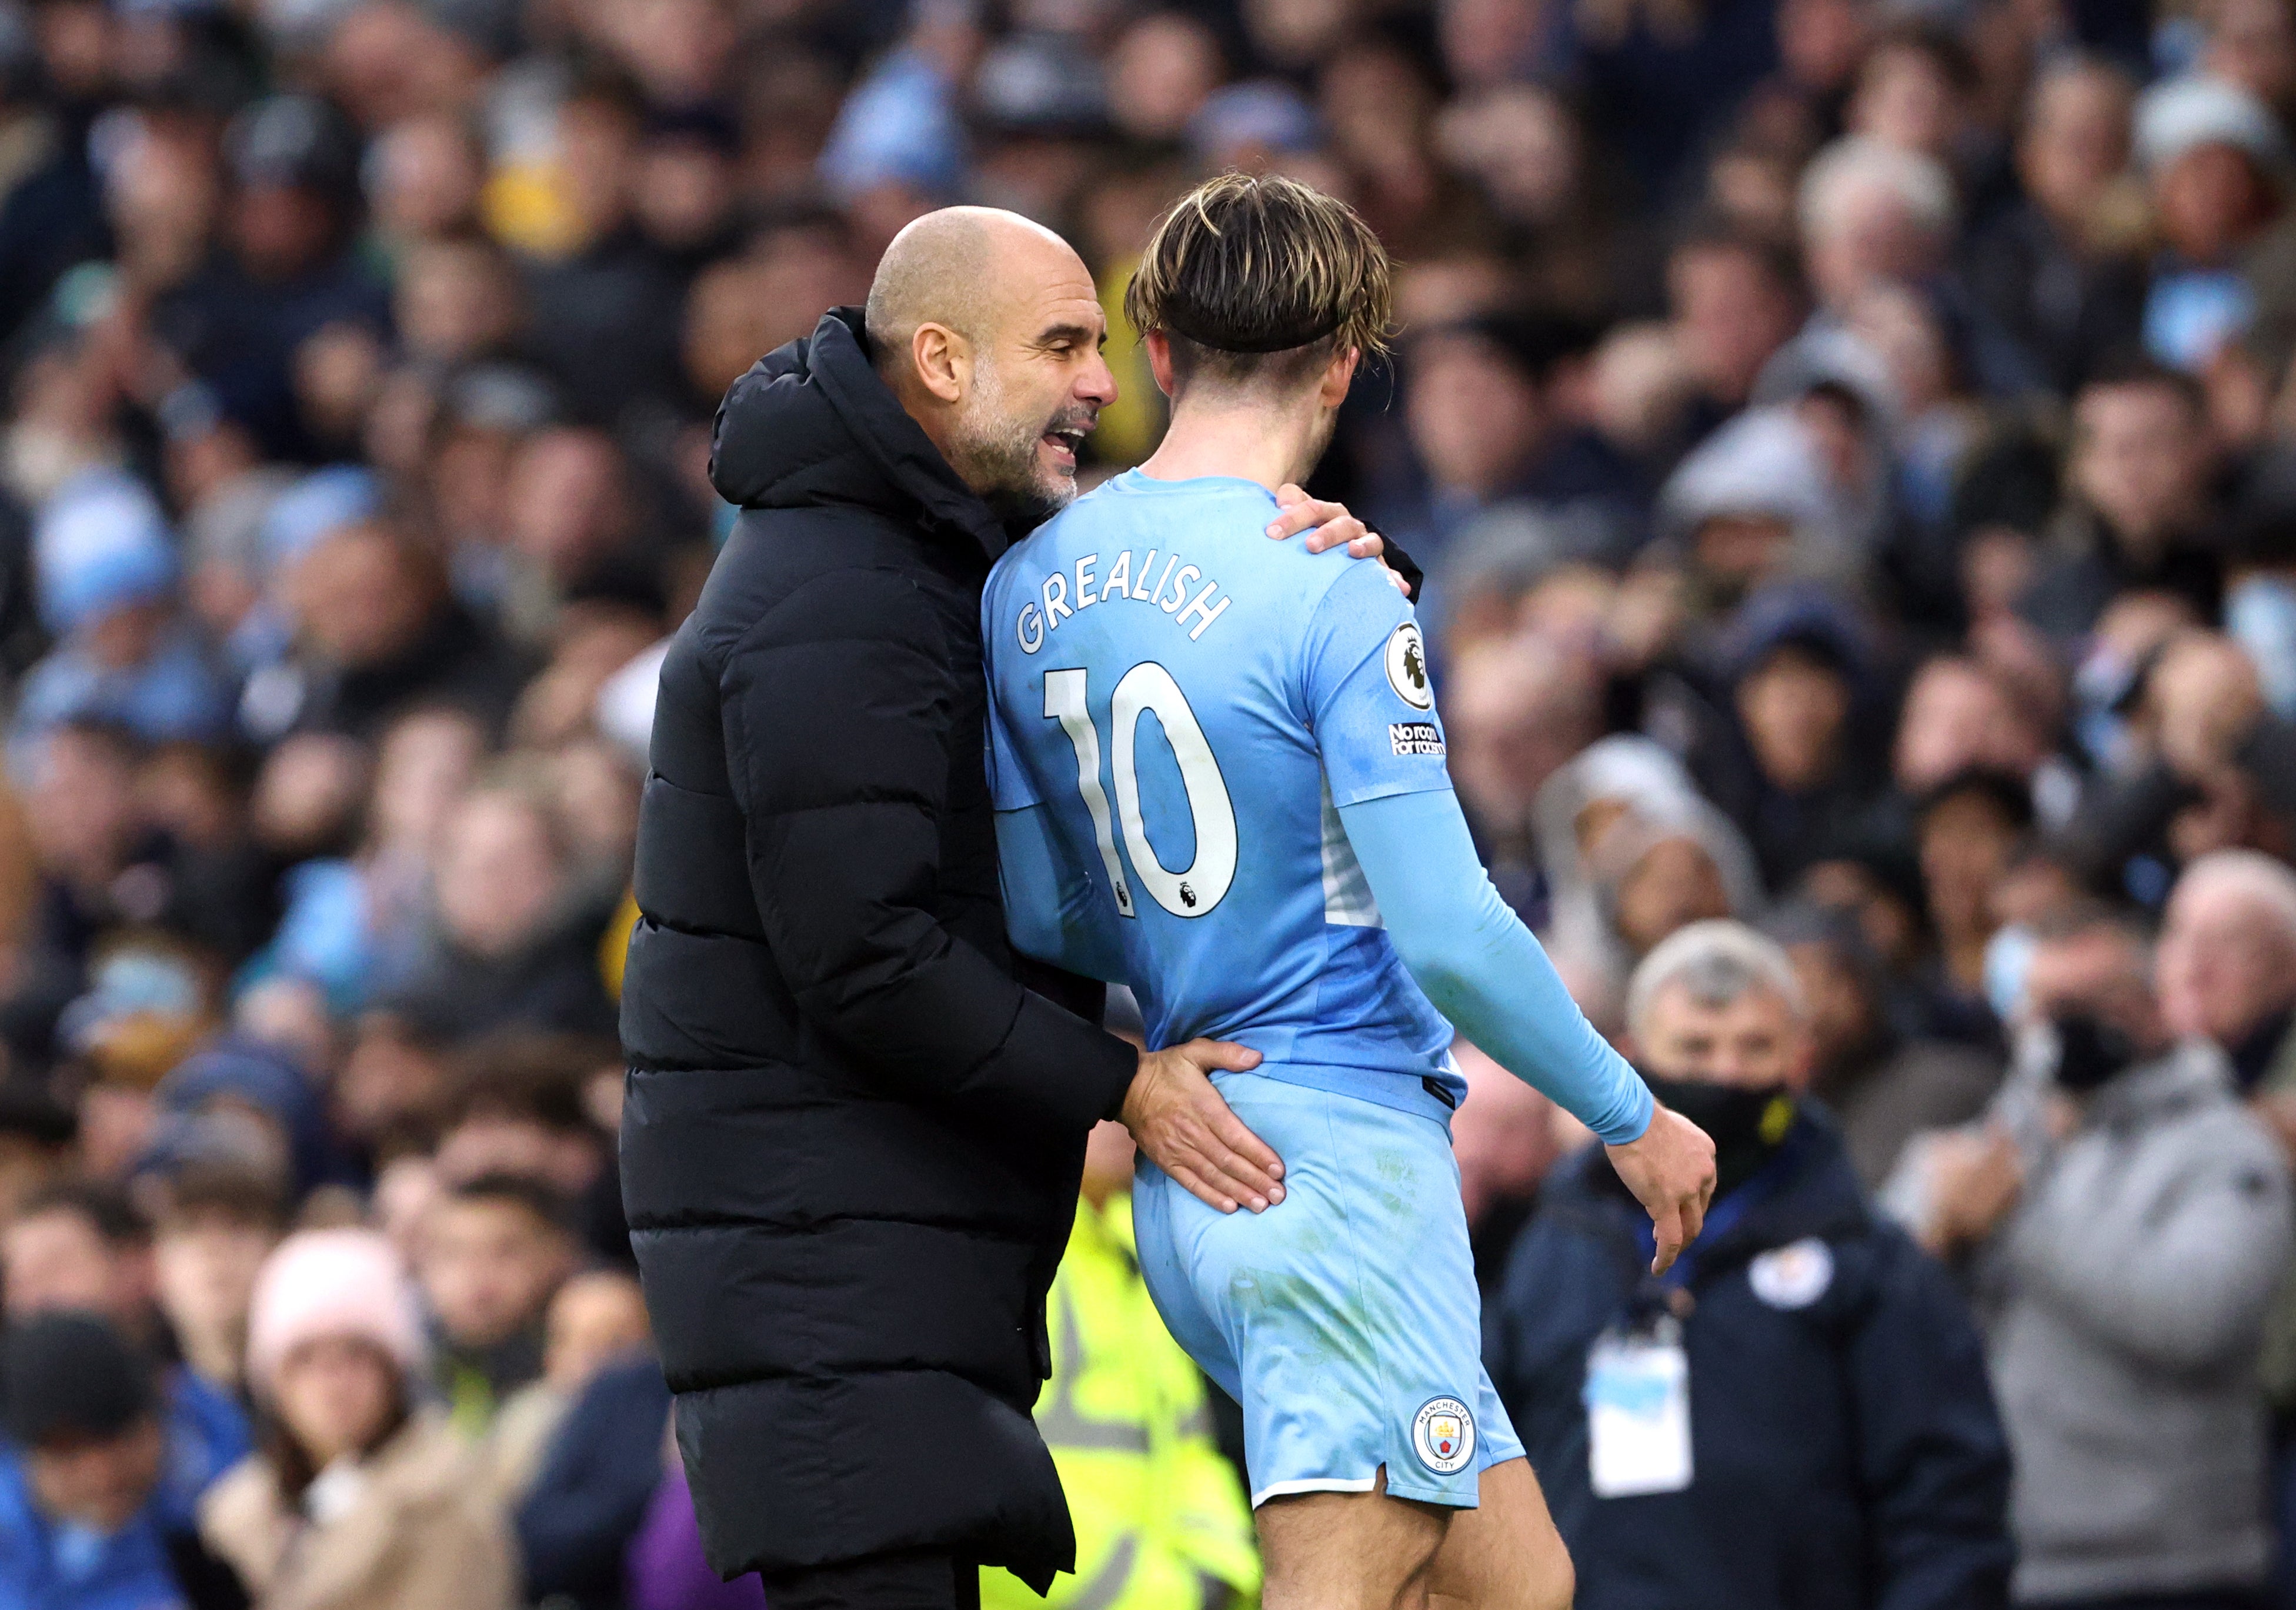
1852,445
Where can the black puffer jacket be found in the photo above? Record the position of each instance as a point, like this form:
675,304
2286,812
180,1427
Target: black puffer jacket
852,1141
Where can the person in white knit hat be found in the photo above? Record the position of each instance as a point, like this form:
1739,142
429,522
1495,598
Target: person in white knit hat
359,1498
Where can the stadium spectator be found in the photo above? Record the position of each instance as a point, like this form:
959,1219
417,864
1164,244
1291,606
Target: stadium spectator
2129,1222
2227,967
2139,510
216,1223
1967,831
86,1522
2059,267
1797,1413
1880,1084
360,1495
1518,712
82,1247
36,1131
1790,760
522,1105
597,1461
514,946
494,1250
107,574
1736,299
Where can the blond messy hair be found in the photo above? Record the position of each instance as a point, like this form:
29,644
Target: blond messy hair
1256,278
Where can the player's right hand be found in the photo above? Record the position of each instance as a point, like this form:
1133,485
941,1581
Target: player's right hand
1670,1170
1178,1119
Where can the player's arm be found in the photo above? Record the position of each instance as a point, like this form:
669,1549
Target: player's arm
1483,970
1050,912
1487,973
1364,688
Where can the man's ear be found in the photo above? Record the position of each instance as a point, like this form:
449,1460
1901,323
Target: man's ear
1159,359
943,361
1338,375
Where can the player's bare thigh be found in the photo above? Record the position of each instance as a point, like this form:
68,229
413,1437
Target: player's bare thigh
1347,1550
1505,1556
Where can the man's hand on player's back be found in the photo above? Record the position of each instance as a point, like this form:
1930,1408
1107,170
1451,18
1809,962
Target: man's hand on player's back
1670,1170
1178,1119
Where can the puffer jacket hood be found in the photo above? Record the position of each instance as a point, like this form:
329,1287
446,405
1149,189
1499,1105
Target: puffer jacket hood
811,424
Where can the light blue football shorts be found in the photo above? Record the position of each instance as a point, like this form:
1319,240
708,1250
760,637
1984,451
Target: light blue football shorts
1345,1319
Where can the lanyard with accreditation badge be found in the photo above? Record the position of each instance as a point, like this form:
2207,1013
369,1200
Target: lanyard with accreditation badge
1638,1392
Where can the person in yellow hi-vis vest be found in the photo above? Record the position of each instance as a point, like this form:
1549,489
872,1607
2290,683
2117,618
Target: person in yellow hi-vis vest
1160,1518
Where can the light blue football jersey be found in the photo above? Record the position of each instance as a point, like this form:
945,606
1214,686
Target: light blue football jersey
1191,702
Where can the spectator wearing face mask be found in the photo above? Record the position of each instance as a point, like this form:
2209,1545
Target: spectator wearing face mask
2127,1220
1797,1413
2260,581
86,1520
2216,159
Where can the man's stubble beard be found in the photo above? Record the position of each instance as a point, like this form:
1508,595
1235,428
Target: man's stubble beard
994,453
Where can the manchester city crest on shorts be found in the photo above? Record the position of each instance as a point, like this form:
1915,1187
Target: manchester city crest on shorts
1443,1435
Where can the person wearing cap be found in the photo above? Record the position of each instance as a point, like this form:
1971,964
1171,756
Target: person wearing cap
106,576
1791,759
288,272
361,1498
1754,502
86,1522
2217,161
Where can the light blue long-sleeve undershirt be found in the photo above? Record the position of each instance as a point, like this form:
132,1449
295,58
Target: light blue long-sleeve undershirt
1472,955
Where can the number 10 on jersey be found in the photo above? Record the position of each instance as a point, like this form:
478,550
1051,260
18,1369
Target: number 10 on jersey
1199,887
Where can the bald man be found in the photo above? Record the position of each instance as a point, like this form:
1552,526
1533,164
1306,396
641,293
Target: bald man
854,1126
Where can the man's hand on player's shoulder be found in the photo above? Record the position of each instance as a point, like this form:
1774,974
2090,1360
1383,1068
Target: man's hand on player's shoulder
1670,1170
1178,1119
1328,524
